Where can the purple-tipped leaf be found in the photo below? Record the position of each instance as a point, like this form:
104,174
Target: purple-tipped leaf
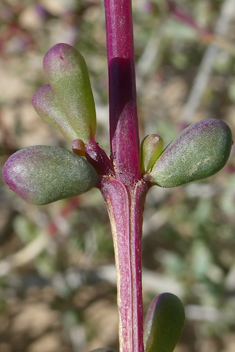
47,106
68,76
41,174
199,151
164,323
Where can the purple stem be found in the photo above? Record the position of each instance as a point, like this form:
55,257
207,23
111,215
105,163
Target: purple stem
124,134
123,191
126,214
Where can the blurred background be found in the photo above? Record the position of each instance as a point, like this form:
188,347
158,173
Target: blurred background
57,273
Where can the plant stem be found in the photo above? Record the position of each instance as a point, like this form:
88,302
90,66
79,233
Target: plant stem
123,191
125,208
124,135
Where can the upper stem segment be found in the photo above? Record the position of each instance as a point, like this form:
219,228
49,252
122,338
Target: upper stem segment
124,135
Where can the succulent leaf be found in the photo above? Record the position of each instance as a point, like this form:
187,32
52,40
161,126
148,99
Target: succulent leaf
68,76
150,150
48,108
42,174
199,151
164,323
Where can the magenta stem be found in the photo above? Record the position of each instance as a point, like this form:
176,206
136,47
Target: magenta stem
124,134
123,190
125,213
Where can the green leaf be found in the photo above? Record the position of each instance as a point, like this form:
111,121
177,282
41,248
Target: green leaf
68,76
164,323
47,106
150,150
41,174
198,152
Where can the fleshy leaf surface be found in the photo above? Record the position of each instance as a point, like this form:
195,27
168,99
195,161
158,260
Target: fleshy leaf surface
42,174
46,104
68,76
199,151
150,150
164,323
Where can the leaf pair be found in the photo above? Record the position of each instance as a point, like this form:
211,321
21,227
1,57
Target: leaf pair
67,102
43,174
198,152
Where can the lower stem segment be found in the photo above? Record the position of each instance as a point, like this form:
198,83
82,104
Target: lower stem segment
125,207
